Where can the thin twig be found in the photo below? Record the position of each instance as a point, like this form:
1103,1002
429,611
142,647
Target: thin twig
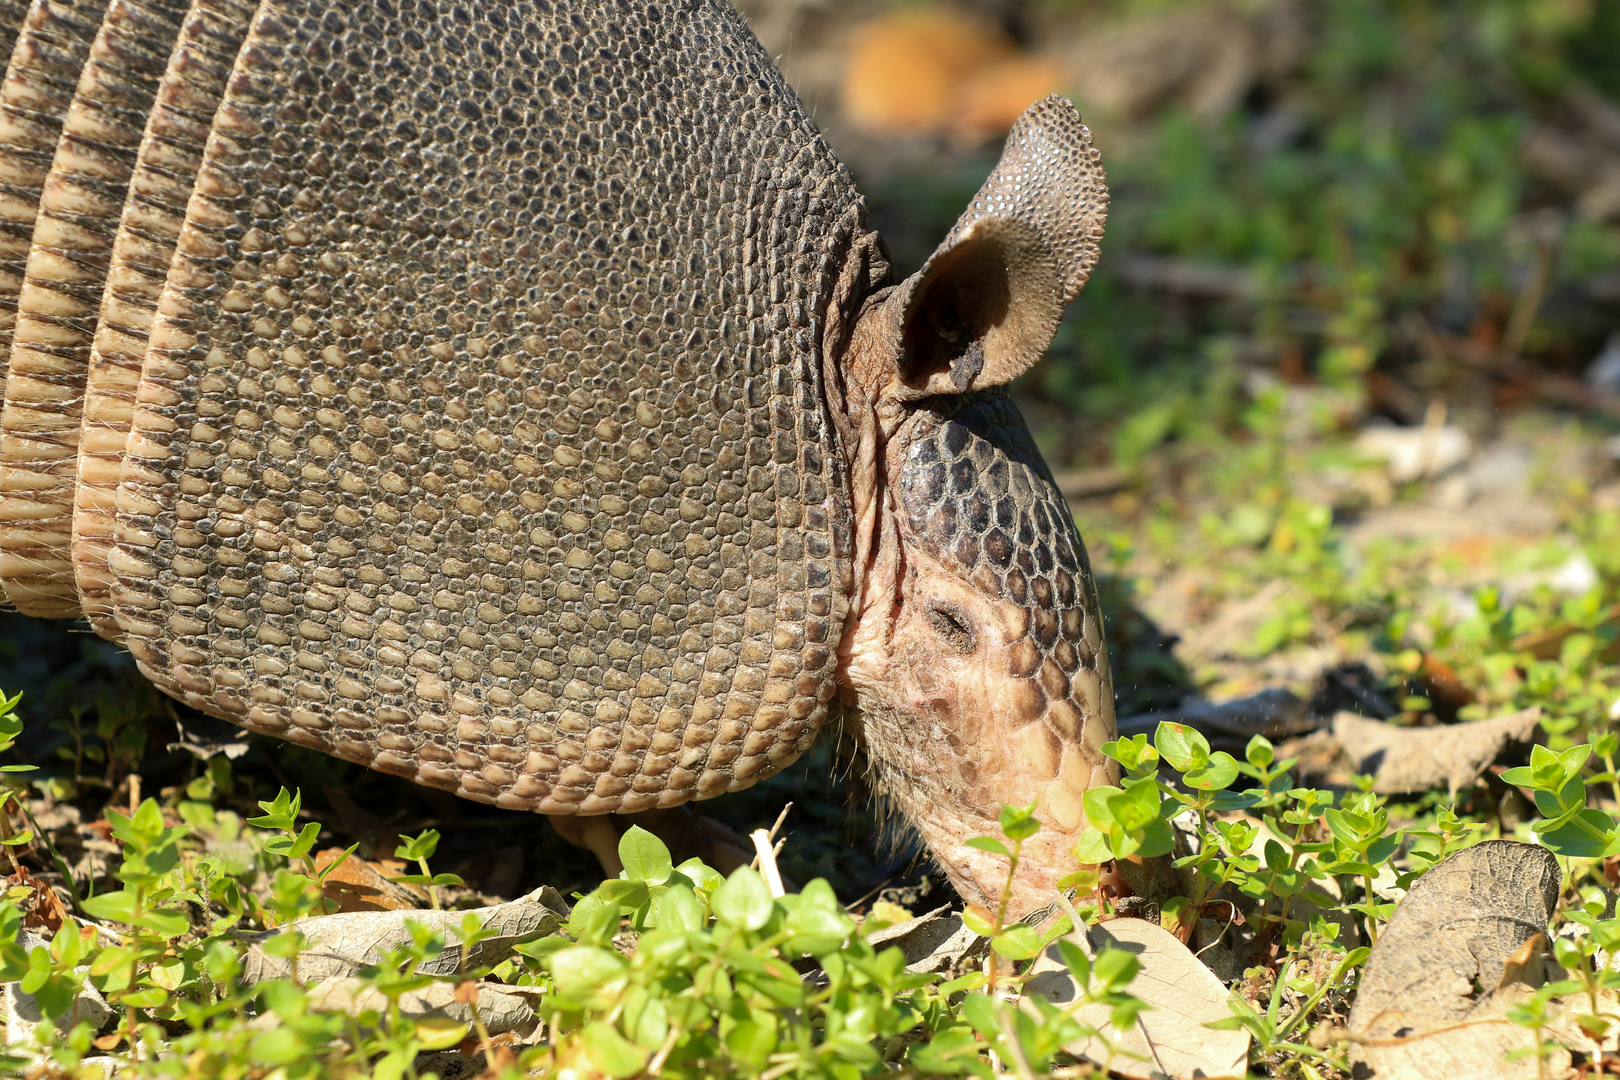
779,819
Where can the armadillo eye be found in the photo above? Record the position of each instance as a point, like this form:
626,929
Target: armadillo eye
952,624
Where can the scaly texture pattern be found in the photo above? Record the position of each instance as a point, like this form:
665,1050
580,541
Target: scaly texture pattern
80,205
41,78
482,435
978,497
166,167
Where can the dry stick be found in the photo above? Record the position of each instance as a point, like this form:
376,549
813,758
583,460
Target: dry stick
766,858
760,847
780,818
1528,302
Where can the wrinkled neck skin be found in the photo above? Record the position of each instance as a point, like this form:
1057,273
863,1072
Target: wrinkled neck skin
974,655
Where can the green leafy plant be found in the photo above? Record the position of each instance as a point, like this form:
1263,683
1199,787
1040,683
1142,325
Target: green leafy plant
419,849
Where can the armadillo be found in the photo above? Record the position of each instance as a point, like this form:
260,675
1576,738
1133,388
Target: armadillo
515,398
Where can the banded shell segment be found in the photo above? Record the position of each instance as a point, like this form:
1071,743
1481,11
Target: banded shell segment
481,436
80,205
165,170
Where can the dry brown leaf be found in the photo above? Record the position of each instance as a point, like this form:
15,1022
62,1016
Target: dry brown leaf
1546,644
502,1008
1168,1041
339,945
22,1012
42,908
361,885
936,941
1451,962
1404,759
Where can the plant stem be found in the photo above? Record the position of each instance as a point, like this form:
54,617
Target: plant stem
1014,1049
131,1013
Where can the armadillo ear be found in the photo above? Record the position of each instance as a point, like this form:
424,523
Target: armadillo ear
984,307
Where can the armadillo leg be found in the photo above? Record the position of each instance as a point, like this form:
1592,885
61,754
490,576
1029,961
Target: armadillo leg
686,832
165,170
80,205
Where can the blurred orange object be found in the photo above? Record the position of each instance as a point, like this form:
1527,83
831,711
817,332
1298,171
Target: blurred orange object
937,71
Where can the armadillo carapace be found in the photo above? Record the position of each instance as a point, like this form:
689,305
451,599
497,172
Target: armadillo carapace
514,398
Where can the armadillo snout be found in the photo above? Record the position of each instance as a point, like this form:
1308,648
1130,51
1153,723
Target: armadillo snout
997,661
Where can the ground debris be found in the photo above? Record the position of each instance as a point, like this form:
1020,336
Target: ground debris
1168,1041
23,1012
339,945
502,1008
933,942
1274,714
1462,948
1408,759
365,885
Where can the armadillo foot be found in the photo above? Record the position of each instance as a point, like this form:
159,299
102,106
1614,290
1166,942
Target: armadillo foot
687,833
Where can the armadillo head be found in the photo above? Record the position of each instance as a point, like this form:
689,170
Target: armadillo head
976,655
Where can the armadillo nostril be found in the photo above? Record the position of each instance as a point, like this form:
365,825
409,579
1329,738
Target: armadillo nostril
954,625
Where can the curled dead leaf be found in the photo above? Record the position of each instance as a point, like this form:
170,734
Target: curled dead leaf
936,941
362,885
1409,759
1460,951
1168,1041
502,1008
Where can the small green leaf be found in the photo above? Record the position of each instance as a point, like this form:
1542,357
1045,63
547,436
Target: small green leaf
611,1052
743,900
1115,968
644,856
678,909
1093,848
1183,747
113,906
152,997
593,920
440,1032
983,1013
816,919
1082,881
752,1041
1075,959
418,848
702,877
582,970
1019,822
1096,805
627,894
979,922
167,924
1587,834
1018,942
1216,775
990,844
